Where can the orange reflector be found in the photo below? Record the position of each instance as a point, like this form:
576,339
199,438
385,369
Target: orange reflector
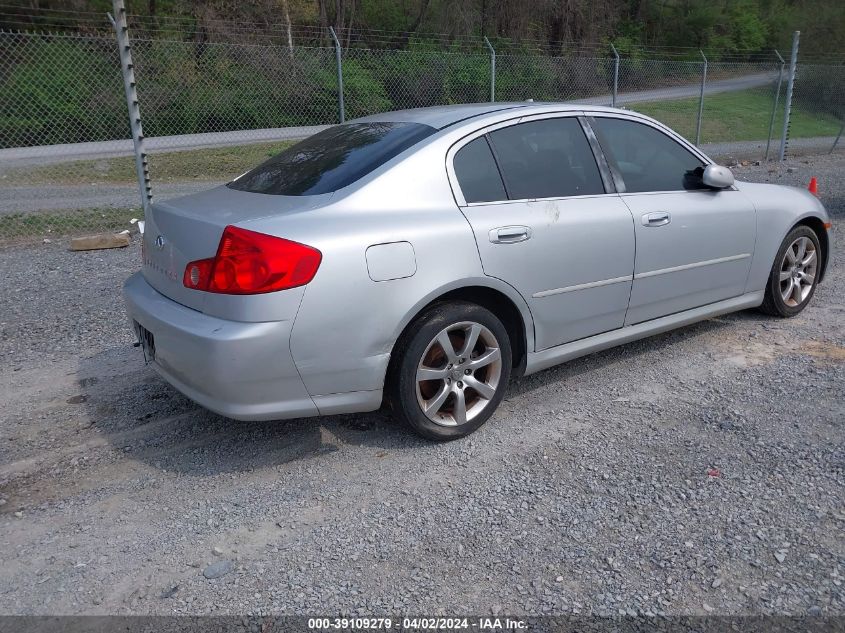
828,225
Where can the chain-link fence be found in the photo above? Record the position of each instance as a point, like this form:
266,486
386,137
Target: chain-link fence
737,110
60,89
521,77
211,110
61,99
818,108
726,108
239,92
668,90
379,80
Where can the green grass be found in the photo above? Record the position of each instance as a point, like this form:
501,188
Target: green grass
219,163
15,227
737,116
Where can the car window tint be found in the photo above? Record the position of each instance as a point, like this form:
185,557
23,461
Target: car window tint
550,158
331,159
477,173
647,159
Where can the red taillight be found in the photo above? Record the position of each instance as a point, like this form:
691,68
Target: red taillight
252,263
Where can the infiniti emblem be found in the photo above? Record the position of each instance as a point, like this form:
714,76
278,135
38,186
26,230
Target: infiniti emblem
160,242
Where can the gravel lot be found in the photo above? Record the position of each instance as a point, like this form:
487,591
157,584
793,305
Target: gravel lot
695,472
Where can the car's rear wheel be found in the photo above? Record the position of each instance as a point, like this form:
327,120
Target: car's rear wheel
794,275
452,370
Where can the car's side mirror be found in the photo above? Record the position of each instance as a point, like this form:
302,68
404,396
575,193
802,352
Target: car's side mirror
717,177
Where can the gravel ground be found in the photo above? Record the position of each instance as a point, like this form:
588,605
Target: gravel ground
696,472
828,169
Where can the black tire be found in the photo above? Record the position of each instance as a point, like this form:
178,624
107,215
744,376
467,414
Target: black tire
419,340
773,302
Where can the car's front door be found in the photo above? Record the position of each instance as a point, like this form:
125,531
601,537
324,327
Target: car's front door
546,224
694,244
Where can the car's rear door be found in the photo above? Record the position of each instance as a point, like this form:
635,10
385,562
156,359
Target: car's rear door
694,244
547,221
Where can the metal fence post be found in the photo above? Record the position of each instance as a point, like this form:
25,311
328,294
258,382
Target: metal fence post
615,75
337,54
774,107
492,69
701,99
790,84
142,167
836,140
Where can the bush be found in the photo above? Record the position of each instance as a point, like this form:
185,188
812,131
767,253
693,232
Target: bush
60,90
520,77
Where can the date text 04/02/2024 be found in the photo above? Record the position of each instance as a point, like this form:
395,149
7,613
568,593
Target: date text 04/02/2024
418,624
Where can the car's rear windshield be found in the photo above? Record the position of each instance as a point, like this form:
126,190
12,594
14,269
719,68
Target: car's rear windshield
332,159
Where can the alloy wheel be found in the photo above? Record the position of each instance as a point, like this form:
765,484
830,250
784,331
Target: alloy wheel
458,374
798,271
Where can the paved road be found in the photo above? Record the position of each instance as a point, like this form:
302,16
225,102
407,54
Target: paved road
55,197
46,154
22,156
682,92
99,196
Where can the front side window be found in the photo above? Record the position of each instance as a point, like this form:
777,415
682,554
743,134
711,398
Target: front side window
549,158
331,159
477,172
646,158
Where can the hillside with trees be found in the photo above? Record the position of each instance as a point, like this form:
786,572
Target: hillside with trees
205,66
734,27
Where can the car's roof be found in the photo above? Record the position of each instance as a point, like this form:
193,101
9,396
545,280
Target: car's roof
443,116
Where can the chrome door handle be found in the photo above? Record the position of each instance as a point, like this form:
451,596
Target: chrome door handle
510,234
660,218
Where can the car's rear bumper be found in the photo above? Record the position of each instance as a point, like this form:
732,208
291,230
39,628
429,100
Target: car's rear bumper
241,370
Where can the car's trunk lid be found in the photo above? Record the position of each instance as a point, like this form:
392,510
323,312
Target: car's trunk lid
186,229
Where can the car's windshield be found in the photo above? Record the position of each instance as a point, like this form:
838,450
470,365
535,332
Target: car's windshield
332,159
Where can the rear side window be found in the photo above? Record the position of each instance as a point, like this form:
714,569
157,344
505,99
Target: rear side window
477,173
647,159
550,158
332,159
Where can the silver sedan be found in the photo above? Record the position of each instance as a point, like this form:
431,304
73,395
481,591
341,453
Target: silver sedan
422,258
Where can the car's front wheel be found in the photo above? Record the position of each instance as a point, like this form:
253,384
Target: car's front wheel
794,275
452,369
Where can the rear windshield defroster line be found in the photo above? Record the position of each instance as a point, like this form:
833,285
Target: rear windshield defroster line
331,159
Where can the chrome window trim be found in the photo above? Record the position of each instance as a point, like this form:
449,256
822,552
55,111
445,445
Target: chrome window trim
527,200
636,117
459,144
643,120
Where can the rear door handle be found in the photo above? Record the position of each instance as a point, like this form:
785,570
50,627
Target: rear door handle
659,218
510,234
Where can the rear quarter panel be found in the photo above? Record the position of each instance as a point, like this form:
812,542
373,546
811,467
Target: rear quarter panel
348,323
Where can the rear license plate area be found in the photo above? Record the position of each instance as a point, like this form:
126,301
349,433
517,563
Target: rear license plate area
147,342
